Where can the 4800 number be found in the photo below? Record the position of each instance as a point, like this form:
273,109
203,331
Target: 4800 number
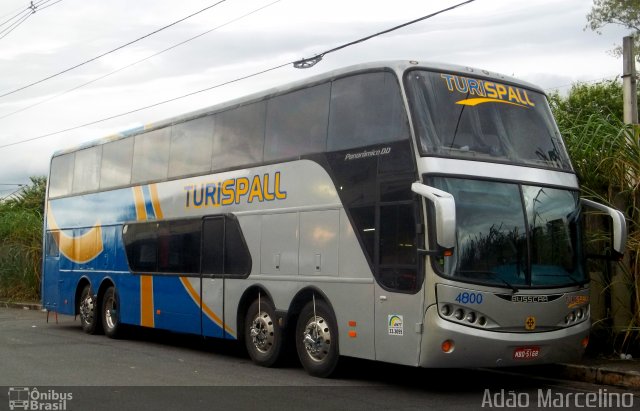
469,298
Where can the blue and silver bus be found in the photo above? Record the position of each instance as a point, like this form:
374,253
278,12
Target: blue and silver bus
405,212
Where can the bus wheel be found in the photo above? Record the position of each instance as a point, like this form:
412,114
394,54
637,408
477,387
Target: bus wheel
110,313
88,311
262,336
317,339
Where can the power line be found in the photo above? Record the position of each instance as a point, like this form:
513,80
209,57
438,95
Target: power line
42,8
238,79
28,12
136,62
312,61
110,51
12,193
26,9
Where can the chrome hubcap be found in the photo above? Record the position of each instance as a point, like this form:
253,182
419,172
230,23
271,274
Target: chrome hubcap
111,313
262,332
86,309
317,338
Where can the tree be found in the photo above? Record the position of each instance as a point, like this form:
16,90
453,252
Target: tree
31,197
624,13
584,100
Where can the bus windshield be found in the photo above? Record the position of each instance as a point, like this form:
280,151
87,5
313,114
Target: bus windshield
514,234
476,119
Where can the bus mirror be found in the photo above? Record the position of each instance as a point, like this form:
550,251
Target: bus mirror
618,223
445,207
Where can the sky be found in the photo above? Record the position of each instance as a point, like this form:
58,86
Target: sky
540,41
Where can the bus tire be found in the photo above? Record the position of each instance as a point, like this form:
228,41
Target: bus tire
88,310
110,313
262,335
317,339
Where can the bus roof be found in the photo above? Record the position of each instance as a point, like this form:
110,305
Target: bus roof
398,66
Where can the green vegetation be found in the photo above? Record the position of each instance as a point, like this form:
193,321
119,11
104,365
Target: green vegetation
606,155
21,219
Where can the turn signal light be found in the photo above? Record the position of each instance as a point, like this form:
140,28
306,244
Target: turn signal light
447,346
585,342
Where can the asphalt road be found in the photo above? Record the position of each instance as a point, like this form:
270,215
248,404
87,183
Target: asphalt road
62,367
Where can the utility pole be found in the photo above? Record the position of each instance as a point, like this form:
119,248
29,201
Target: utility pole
629,82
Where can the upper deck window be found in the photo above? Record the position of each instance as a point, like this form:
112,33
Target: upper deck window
366,109
469,118
61,175
297,123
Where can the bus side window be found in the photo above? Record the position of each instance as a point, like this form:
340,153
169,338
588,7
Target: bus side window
238,136
297,123
213,246
191,147
224,248
398,256
52,239
179,247
116,163
86,173
151,156
141,243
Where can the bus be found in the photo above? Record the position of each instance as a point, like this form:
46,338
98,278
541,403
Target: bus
406,212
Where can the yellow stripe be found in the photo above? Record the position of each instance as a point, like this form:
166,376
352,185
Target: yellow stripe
138,197
146,301
194,295
155,200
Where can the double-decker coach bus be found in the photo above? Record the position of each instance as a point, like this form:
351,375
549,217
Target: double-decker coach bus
411,213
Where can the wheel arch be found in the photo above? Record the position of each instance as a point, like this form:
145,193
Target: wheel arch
104,285
301,298
82,282
249,295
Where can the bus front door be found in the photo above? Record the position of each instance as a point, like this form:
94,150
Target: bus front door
399,298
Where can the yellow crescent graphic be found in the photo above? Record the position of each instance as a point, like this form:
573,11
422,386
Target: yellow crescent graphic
81,249
476,101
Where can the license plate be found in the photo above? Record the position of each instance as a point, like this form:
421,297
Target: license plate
526,353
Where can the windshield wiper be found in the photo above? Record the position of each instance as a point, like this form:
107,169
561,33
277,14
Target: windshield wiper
492,275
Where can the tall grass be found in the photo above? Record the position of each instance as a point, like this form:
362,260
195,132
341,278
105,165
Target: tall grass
21,243
606,155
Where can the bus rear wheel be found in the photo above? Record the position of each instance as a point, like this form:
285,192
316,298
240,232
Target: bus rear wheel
262,335
111,313
88,309
317,339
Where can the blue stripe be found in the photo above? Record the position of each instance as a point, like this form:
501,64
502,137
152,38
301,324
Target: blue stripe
146,193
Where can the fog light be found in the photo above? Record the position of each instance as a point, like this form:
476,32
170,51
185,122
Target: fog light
482,321
471,317
459,314
448,346
445,310
571,317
